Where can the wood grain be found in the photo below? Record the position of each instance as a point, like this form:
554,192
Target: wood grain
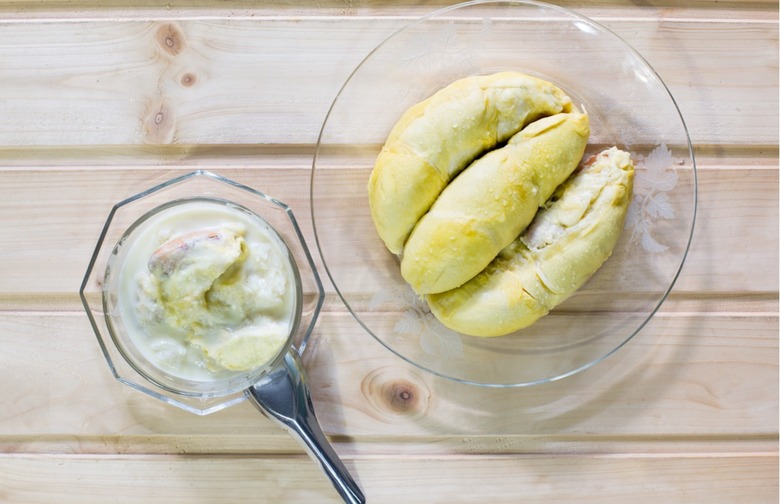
681,378
696,9
691,478
64,211
225,81
101,99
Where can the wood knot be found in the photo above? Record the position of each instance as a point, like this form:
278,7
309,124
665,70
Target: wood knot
189,79
401,396
159,125
170,39
396,392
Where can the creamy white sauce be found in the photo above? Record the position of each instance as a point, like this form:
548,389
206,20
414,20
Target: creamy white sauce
218,298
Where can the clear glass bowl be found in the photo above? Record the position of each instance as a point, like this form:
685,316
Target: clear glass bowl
629,107
99,291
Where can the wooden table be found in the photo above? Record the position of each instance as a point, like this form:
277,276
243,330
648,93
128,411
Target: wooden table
101,99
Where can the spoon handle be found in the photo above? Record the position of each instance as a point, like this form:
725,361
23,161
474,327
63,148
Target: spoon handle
284,397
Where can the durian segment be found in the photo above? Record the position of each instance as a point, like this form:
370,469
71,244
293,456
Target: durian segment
220,295
437,138
490,203
188,265
564,246
250,347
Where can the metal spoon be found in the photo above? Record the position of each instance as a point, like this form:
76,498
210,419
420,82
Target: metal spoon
283,395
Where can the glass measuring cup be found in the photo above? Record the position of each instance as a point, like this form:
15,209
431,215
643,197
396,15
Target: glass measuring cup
277,386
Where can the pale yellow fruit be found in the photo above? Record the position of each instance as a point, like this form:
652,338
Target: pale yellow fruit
435,139
487,206
563,247
190,264
251,347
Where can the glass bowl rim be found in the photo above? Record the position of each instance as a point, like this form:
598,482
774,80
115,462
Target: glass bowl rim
138,380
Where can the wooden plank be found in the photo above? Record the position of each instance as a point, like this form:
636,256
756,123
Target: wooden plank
689,479
131,157
57,216
722,201
698,9
665,374
249,81
678,385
